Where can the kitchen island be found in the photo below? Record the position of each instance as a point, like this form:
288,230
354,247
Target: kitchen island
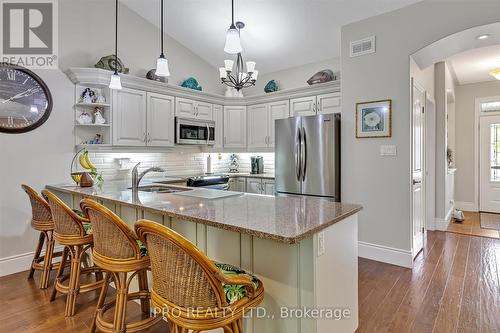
304,249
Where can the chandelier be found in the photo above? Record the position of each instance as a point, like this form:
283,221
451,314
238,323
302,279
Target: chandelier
237,78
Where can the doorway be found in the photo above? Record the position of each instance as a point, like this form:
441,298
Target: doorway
488,159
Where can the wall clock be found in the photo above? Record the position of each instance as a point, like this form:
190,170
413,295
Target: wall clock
25,100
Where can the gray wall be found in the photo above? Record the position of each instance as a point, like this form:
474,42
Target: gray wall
464,123
294,77
382,185
43,156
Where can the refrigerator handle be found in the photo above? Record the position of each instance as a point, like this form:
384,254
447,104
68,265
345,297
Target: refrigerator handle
298,159
303,153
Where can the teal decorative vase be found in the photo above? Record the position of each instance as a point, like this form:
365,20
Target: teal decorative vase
271,86
191,83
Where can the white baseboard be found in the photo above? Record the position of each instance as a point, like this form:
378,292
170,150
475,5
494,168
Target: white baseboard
385,254
442,224
466,206
20,262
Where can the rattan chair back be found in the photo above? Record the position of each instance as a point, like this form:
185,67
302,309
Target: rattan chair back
113,238
182,274
39,206
66,221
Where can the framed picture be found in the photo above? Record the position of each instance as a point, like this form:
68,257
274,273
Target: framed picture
374,119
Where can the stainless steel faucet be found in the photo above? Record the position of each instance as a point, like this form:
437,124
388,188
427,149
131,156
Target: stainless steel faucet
137,177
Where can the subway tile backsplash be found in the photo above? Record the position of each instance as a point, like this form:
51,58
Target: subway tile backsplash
175,163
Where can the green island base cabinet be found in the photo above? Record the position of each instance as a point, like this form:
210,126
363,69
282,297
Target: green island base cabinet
313,270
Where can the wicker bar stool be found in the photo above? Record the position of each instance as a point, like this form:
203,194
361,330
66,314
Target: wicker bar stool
190,290
42,221
118,252
73,232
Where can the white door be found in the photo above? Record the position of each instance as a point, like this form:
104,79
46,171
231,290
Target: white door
185,107
203,111
430,162
235,127
268,186
254,185
160,121
129,117
328,103
418,162
218,117
489,164
304,106
277,110
258,126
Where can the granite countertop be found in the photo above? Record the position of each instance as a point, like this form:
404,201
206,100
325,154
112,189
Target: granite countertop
176,179
287,219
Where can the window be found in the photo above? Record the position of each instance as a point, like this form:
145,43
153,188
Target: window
495,152
490,106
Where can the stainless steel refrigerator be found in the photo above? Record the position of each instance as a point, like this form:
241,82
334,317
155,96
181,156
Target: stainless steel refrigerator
307,155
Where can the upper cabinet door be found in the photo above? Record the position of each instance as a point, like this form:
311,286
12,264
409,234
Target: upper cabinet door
218,117
258,126
160,124
129,117
185,108
203,110
304,106
329,103
235,127
277,110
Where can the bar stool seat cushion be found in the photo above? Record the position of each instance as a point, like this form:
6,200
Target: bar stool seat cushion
235,292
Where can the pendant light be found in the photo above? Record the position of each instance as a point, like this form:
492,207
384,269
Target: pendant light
115,82
162,62
233,42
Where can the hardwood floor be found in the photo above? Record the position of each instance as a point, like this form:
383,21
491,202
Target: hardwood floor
454,287
472,226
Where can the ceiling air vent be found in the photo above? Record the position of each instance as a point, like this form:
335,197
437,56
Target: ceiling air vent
362,47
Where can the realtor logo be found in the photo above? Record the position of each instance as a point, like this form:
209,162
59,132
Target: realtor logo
29,33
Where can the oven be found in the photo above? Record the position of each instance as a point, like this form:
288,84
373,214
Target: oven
194,132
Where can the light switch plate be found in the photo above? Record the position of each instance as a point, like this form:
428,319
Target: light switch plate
321,243
388,150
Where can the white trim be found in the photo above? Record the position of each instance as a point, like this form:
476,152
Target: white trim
477,114
466,206
19,262
385,254
442,224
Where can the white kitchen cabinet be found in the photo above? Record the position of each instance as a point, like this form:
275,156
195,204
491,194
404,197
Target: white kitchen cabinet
254,185
303,106
277,110
258,125
160,120
328,103
261,119
188,108
129,117
235,127
260,186
218,117
268,186
237,184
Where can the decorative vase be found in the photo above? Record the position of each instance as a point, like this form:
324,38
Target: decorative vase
86,180
271,86
191,83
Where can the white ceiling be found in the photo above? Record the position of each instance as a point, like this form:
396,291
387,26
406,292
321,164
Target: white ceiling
474,65
279,34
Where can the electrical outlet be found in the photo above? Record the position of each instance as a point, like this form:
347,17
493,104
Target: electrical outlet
321,243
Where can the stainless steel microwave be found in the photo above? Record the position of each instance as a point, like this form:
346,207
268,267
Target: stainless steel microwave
194,131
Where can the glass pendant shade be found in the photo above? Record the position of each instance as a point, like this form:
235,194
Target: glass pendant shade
233,42
251,66
115,82
162,67
228,64
255,74
222,73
